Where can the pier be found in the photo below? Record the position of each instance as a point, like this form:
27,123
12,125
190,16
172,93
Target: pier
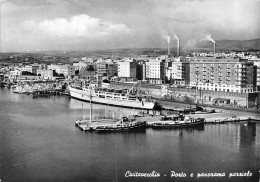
85,125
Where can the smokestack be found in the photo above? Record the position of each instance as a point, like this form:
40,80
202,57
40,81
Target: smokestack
169,51
168,39
178,47
178,44
208,37
214,47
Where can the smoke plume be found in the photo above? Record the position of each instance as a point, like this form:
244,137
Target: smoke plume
167,38
176,37
208,37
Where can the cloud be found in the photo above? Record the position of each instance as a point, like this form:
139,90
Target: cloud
67,24
77,26
232,19
29,2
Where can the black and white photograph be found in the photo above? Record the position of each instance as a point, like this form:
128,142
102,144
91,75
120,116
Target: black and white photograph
129,90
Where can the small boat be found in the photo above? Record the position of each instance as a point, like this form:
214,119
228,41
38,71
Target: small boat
178,122
125,124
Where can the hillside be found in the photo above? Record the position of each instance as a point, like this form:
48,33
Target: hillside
238,45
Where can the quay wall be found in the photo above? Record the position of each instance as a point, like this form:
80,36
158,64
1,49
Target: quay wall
245,100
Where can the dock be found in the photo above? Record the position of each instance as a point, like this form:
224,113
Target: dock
85,125
36,93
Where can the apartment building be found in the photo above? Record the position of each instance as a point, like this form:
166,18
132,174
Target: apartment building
257,75
14,74
111,70
228,75
155,70
141,70
127,70
177,71
66,70
71,71
30,68
45,74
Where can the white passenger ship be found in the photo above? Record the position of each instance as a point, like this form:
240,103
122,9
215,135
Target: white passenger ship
110,96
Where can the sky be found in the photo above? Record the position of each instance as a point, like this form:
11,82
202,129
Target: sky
63,25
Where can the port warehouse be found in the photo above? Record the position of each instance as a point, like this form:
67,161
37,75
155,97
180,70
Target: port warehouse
203,96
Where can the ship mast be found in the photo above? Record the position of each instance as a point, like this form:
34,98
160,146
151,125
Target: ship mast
90,99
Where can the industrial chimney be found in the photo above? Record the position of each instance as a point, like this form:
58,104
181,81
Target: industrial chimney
169,50
214,47
178,47
208,37
178,44
168,39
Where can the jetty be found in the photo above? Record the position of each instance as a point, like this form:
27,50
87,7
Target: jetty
47,92
86,125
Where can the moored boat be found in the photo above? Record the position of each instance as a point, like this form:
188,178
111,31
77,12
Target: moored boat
179,122
125,124
115,97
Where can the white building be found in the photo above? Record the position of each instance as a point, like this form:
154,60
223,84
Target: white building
14,74
126,70
222,75
45,74
257,64
174,73
60,69
155,70
26,68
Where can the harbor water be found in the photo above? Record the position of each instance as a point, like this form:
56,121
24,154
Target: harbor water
39,142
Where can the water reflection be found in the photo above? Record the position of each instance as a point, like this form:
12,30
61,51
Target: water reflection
247,133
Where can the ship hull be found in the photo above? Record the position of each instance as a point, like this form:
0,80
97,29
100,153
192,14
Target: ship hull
84,96
136,127
178,125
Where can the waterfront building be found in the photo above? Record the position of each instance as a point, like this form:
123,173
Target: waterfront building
34,68
45,74
2,77
26,69
13,75
141,70
155,70
177,71
71,71
257,75
228,75
106,68
111,70
87,72
102,68
127,69
66,70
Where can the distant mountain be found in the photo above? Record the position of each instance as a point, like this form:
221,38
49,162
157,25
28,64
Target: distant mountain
203,46
237,45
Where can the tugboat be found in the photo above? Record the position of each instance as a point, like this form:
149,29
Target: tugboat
125,124
178,122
